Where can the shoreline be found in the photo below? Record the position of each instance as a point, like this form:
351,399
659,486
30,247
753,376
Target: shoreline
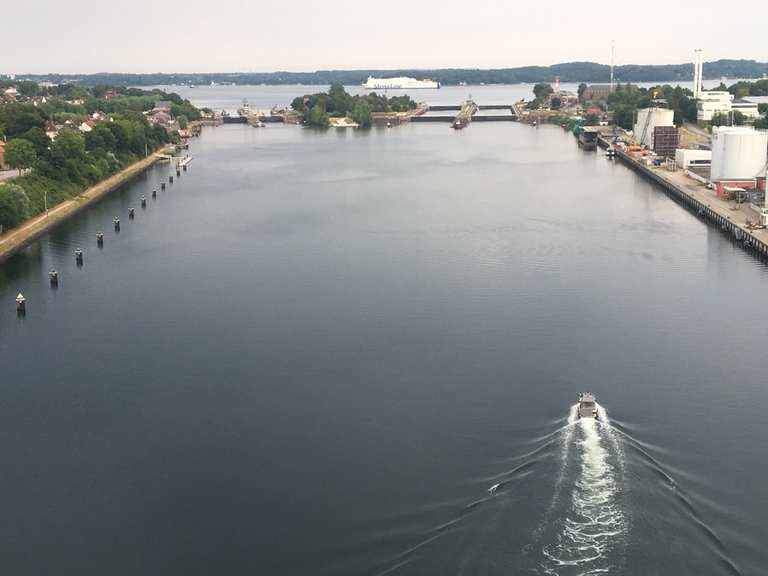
18,238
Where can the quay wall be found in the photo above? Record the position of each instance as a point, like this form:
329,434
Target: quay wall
748,240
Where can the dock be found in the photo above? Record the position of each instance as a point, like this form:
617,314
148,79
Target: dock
699,199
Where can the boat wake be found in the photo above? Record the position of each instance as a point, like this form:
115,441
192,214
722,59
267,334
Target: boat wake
585,528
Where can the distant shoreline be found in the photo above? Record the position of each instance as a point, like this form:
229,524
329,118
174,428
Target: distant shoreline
589,72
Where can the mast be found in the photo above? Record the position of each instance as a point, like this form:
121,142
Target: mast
613,45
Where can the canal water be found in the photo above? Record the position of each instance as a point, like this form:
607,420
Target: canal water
346,353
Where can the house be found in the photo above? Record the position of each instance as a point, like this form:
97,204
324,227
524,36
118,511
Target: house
86,126
10,93
51,130
163,106
161,118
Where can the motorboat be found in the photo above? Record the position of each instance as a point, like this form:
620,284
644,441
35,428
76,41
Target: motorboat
587,407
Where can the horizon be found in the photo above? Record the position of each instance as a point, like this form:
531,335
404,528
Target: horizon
271,38
371,69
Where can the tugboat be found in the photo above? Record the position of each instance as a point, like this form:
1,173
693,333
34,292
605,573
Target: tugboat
587,406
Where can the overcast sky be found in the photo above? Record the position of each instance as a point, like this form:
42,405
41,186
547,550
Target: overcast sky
77,36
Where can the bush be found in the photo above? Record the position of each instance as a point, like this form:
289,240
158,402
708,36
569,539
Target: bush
14,205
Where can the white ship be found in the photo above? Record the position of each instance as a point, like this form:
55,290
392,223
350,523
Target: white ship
400,83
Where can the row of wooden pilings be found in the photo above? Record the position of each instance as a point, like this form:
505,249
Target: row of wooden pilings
53,275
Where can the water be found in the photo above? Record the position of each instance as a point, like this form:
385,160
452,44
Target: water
264,98
356,353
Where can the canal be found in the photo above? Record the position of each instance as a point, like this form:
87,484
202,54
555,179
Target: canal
357,353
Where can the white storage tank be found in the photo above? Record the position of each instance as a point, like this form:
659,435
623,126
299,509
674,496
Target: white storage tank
738,153
647,120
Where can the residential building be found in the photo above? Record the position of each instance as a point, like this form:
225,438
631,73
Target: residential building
51,130
2,156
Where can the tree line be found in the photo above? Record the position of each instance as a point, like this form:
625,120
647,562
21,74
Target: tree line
60,168
568,72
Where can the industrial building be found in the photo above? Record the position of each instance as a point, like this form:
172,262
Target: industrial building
648,119
687,159
749,109
739,158
713,102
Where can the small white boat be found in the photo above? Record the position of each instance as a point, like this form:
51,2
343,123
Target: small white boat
587,407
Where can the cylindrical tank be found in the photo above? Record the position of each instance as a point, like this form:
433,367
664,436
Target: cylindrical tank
738,153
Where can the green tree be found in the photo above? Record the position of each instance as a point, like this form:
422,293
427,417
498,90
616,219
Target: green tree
582,89
542,90
339,102
39,139
20,154
555,103
183,122
317,117
591,119
14,205
361,113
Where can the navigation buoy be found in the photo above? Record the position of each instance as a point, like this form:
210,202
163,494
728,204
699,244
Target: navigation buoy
99,239
131,213
154,193
178,172
21,304
79,257
116,222
54,278
185,167
162,186
143,201
170,179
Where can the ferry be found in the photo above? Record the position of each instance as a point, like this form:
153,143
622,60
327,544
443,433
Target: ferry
399,83
587,407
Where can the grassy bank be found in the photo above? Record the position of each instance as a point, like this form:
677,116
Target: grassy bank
69,203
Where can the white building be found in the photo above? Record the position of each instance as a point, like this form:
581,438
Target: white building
647,120
713,102
739,153
686,159
748,109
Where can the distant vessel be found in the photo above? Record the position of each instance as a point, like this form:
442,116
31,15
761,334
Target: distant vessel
399,83
587,406
245,110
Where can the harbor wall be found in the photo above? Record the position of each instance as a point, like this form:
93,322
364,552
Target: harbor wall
740,233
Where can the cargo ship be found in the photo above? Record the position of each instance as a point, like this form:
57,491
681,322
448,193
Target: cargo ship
399,83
